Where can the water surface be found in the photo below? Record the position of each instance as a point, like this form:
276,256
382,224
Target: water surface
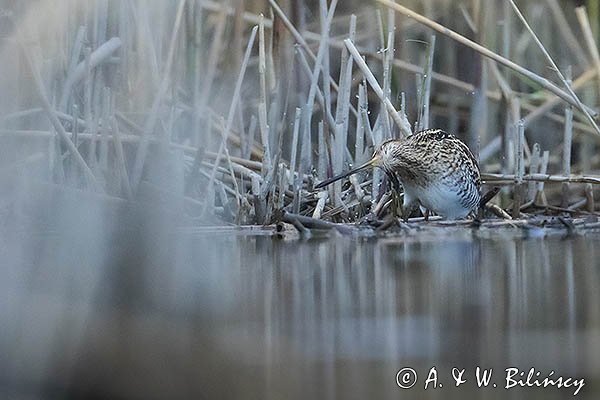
145,314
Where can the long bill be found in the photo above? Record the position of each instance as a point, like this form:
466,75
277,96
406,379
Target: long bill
345,174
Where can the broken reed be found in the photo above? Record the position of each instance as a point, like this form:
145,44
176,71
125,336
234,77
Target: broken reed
308,101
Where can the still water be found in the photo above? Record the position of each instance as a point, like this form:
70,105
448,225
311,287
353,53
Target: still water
143,315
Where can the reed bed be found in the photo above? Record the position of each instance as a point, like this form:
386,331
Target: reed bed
231,111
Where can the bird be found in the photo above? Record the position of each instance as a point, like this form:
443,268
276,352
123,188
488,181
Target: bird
436,170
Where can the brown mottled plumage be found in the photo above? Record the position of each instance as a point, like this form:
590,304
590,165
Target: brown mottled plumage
436,169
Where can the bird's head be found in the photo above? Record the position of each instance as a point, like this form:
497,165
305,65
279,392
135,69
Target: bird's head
387,155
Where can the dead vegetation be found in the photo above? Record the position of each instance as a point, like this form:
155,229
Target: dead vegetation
226,116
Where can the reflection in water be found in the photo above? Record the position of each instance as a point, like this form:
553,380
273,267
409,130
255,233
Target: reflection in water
234,316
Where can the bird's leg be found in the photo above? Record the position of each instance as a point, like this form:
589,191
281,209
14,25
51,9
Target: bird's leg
408,208
396,205
395,184
426,214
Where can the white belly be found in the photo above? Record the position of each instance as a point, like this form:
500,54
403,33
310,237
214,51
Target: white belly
438,198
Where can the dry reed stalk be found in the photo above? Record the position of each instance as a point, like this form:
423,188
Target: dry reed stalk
325,32
380,30
377,89
147,52
305,157
423,119
75,128
90,121
262,105
358,191
546,84
106,112
214,55
247,144
322,196
302,42
407,66
51,113
281,184
120,156
195,24
535,112
552,101
588,36
359,139
541,177
519,169
564,28
234,136
322,155
340,139
587,149
234,103
364,113
230,170
294,150
388,55
562,78
589,197
239,171
74,61
20,114
320,97
566,161
534,166
141,153
96,58
248,17
540,197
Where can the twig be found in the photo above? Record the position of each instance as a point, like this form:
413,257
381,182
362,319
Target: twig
322,196
489,195
315,223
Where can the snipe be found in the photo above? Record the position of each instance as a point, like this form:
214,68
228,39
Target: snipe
436,169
